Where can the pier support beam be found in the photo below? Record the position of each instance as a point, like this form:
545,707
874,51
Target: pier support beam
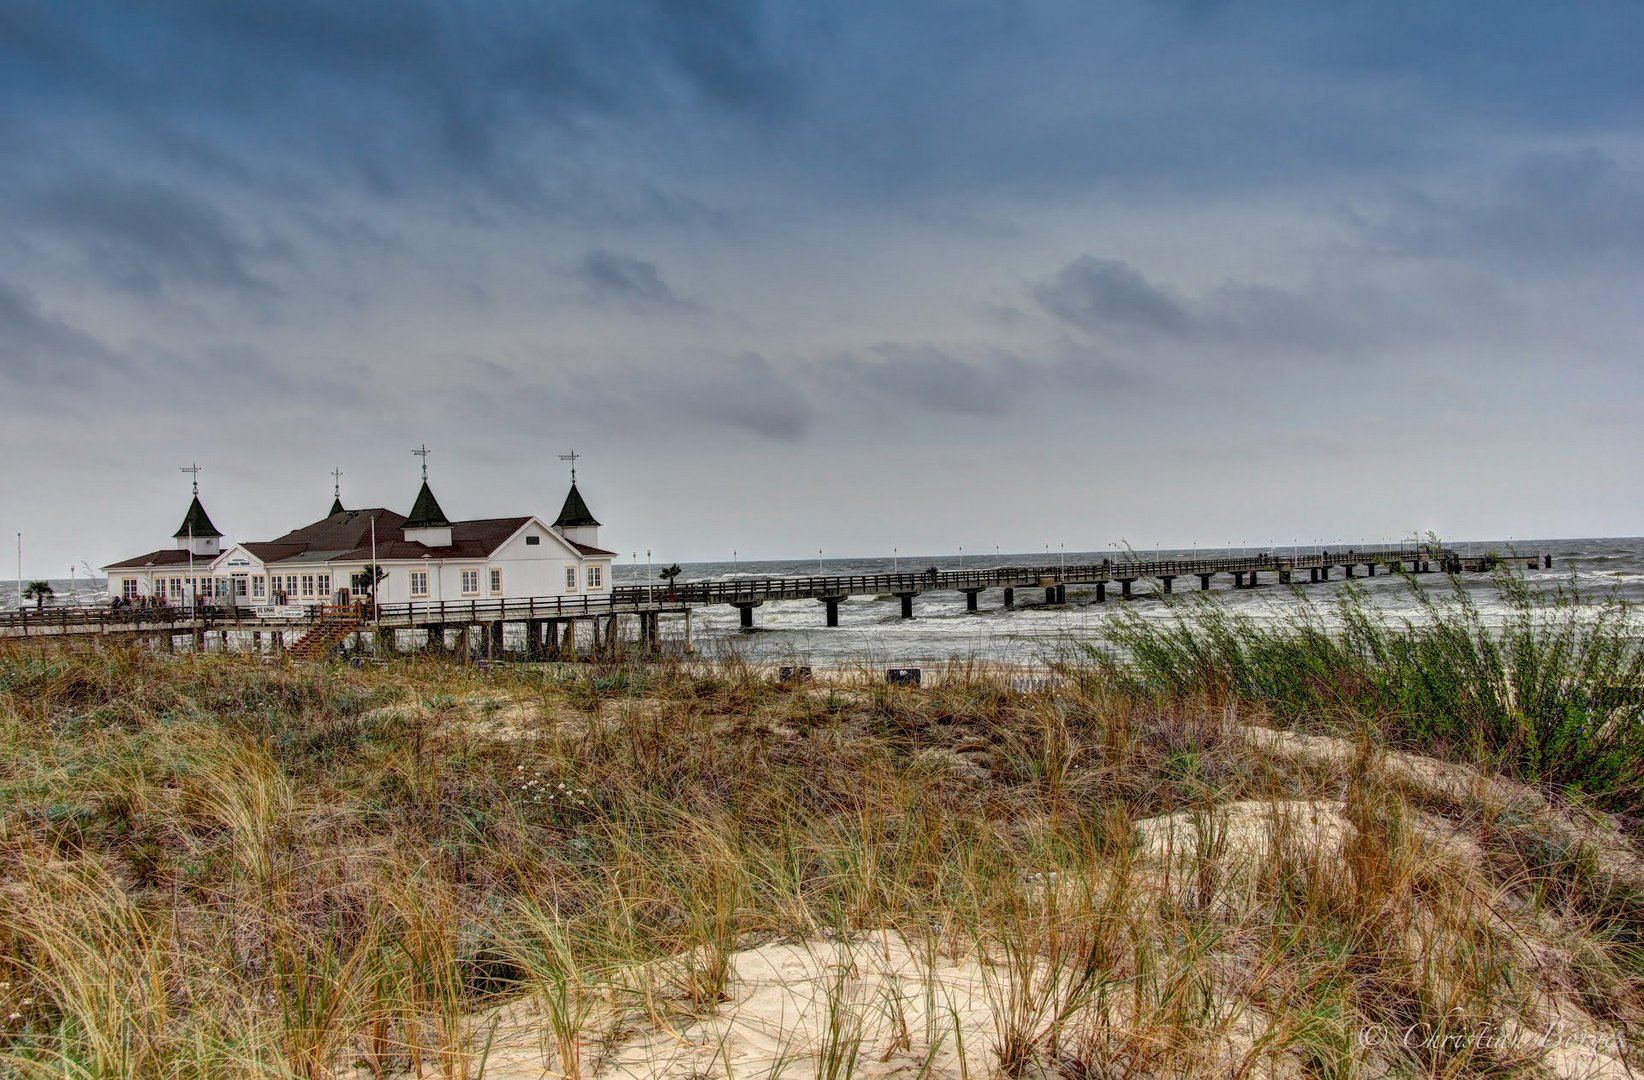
1284,577
690,646
1124,587
493,645
1238,579
1101,592
1252,579
568,640
832,604
745,610
1348,569
1369,569
1204,582
907,604
1050,594
1324,573
1166,579
970,598
1010,599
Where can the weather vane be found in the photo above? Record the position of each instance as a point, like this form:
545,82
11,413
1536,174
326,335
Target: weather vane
336,486
572,458
196,471
423,453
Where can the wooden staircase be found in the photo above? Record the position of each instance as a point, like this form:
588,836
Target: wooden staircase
335,623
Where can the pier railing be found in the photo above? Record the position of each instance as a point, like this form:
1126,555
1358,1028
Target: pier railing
751,590
680,595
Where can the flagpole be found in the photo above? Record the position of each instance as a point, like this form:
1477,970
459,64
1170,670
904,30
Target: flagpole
376,608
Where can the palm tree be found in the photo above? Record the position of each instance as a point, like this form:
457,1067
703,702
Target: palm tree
39,592
668,574
367,580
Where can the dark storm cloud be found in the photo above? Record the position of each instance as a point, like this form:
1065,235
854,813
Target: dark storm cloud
746,393
1556,208
40,349
148,238
399,96
1340,313
928,378
1107,294
610,275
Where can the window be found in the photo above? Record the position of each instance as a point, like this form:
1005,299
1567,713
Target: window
496,581
533,541
257,587
470,582
291,584
128,588
419,583
596,577
308,584
570,579
239,587
176,588
325,584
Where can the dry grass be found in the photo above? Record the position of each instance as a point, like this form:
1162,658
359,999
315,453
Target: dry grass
214,867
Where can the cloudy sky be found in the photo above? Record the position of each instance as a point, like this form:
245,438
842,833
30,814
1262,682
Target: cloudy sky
849,276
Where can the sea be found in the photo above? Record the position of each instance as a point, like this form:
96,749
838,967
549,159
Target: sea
872,632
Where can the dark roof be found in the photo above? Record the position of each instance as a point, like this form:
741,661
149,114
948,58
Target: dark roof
163,557
425,511
272,552
337,506
574,512
343,531
469,540
588,549
196,523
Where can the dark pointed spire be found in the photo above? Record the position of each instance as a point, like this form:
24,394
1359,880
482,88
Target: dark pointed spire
575,512
336,491
425,511
196,523
336,505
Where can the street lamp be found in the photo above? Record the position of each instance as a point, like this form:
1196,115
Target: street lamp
1063,548
818,562
896,561
650,588
961,558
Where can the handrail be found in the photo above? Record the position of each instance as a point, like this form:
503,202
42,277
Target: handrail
679,594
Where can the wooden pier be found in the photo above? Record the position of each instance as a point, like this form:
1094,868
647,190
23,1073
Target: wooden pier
568,626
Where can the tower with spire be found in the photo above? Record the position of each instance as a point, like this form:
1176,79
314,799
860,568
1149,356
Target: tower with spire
575,522
427,524
197,534
336,492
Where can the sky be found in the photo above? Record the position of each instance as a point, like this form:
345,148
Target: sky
849,276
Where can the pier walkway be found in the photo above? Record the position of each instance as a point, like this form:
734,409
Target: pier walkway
550,623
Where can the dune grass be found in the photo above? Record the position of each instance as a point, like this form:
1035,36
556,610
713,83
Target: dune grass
1552,691
214,866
